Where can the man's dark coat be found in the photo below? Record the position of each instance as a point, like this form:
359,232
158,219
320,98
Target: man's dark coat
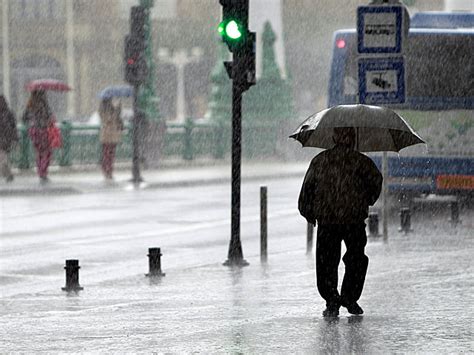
339,187
8,131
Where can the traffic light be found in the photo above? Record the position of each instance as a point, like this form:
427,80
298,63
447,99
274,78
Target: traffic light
241,42
136,68
234,25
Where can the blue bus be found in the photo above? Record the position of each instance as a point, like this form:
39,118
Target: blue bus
439,64
439,79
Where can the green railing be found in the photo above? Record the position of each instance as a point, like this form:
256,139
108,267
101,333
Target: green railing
81,144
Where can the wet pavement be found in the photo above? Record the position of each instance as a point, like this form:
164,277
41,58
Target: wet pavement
417,298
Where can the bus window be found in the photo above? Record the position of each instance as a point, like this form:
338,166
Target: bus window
440,65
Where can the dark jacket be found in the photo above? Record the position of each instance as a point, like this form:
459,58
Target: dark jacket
8,131
339,187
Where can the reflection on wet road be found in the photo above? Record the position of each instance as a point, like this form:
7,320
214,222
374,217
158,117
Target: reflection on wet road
418,295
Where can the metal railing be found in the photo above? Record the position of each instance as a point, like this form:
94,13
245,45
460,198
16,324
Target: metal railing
81,143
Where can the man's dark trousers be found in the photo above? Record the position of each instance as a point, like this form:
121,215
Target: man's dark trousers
328,256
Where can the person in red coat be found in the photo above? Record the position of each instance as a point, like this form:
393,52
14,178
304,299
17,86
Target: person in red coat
38,118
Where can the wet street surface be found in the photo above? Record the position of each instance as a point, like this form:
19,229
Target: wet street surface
417,297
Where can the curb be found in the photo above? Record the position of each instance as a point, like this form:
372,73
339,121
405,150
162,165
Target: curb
82,187
40,191
220,180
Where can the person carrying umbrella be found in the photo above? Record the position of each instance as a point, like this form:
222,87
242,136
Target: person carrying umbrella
8,137
110,134
337,191
38,118
339,187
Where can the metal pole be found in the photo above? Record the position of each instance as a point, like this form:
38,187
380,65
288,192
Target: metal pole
6,51
384,196
373,224
136,178
71,104
180,100
454,213
239,85
309,238
263,223
72,276
405,220
235,256
154,262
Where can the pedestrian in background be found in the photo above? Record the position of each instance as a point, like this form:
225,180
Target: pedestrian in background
38,118
337,191
110,134
8,138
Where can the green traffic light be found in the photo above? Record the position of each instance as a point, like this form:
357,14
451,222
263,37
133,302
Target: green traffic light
232,30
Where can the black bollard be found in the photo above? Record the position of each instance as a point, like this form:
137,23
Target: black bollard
72,276
309,238
373,224
154,262
454,213
405,220
263,223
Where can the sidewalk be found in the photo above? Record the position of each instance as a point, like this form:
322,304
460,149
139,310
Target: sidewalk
171,174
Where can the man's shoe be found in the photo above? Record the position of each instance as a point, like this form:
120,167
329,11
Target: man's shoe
331,311
354,308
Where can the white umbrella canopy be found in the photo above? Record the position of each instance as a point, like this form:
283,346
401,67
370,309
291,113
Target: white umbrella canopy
378,128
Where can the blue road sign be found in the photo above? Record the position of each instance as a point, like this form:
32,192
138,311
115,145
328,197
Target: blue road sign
379,29
381,80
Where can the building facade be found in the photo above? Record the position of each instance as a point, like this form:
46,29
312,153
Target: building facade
39,44
85,47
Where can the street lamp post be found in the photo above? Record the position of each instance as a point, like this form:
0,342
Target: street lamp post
180,59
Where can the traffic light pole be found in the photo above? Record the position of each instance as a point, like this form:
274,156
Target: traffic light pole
136,74
235,255
136,178
241,42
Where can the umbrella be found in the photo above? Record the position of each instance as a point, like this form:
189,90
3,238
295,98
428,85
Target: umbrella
378,128
47,84
116,91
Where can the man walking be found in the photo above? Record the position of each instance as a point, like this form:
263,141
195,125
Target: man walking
337,191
